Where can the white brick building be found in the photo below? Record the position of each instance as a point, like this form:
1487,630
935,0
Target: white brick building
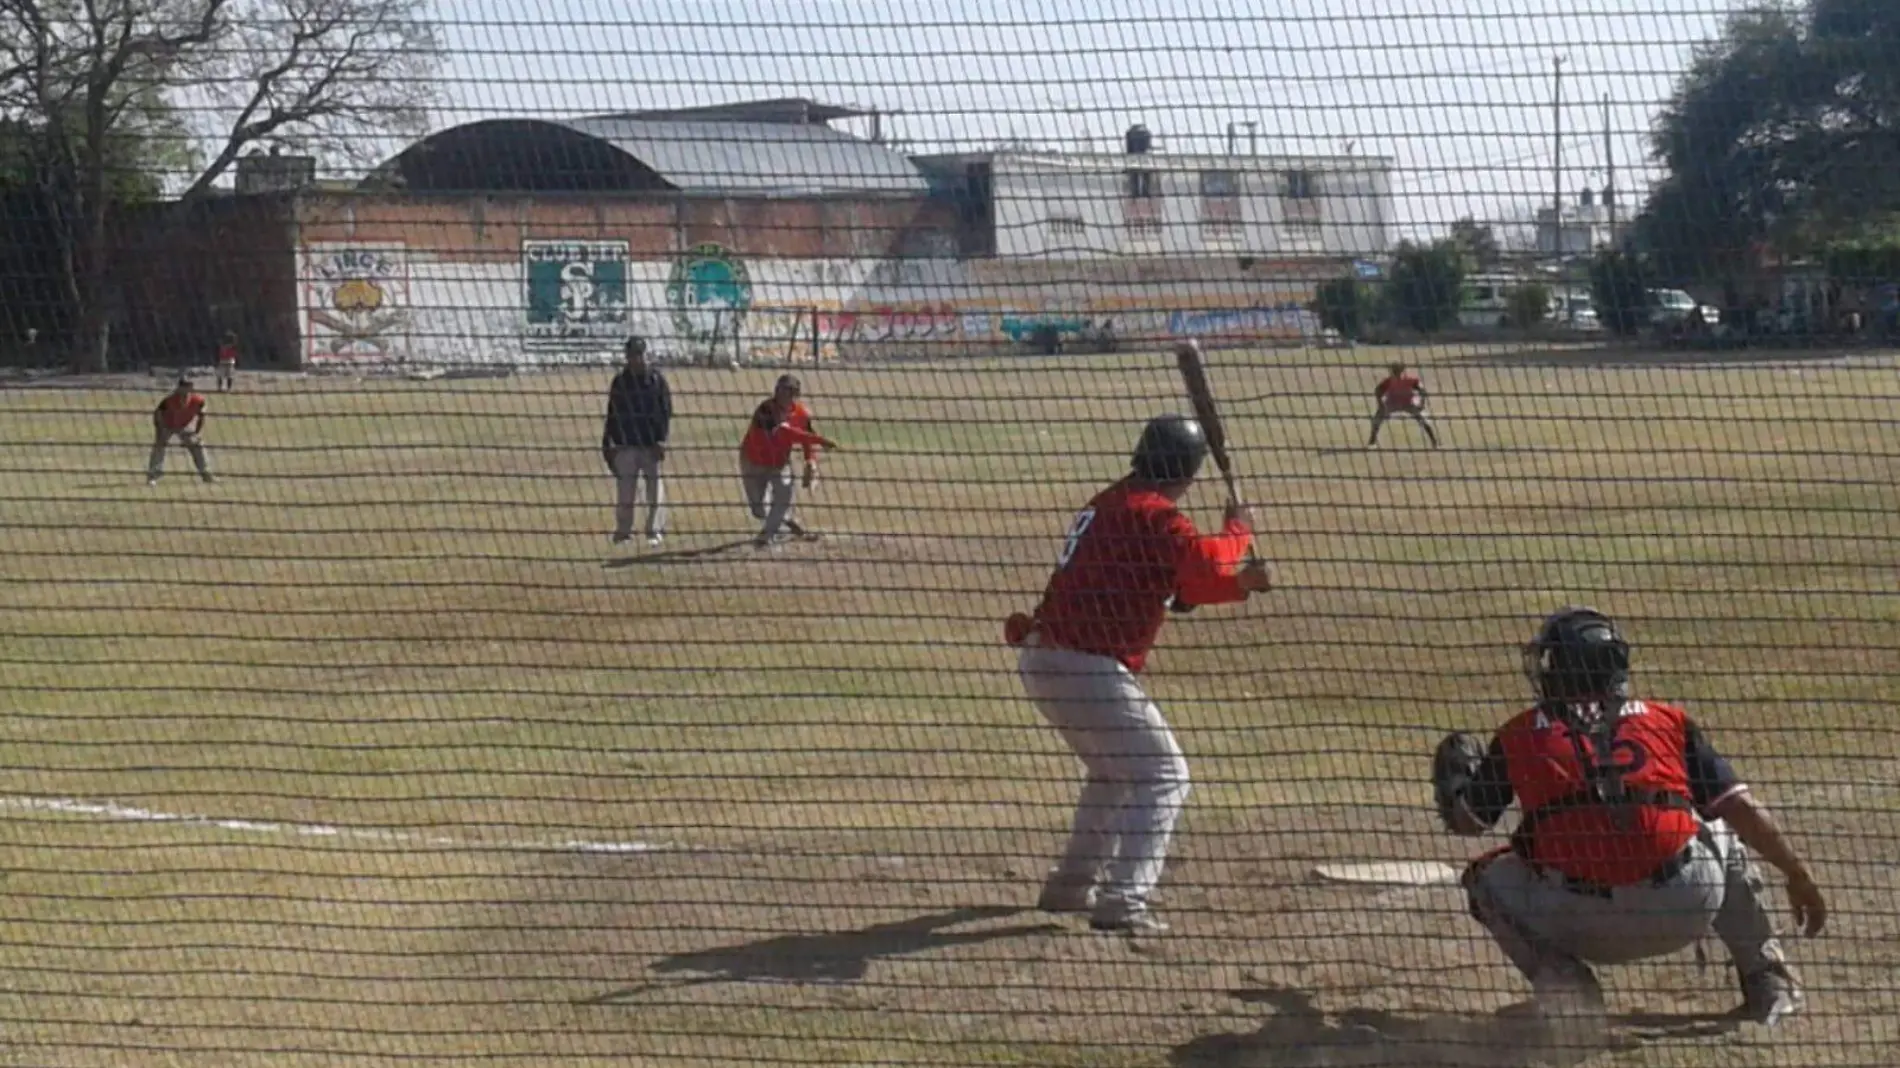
1112,205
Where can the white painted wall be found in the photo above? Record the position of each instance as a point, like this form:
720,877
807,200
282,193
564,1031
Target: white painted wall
411,308
1031,191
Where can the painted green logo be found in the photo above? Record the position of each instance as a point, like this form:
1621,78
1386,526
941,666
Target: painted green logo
577,292
709,292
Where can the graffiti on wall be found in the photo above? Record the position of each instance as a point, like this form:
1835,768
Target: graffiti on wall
576,293
892,324
709,292
1286,321
357,303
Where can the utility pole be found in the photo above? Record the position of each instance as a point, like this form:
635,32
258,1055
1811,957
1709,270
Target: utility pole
1609,158
1557,162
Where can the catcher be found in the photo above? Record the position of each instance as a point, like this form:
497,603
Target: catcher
1635,834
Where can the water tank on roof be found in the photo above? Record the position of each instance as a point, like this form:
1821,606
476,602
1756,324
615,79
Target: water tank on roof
1139,140
275,173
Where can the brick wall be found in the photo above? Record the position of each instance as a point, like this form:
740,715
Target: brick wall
656,227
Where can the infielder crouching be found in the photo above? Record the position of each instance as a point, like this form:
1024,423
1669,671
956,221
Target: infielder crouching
1129,553
779,424
180,415
1635,837
1400,392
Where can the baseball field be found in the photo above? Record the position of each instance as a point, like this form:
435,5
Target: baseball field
376,752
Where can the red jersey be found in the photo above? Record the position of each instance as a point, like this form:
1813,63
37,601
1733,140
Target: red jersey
1657,757
227,353
1127,553
1400,391
178,413
769,439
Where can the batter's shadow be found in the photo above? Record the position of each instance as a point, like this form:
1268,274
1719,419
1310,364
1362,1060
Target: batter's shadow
1300,1035
828,958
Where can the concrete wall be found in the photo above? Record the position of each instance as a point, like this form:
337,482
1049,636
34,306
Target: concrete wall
431,282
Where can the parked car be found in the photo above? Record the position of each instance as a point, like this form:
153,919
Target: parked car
1671,308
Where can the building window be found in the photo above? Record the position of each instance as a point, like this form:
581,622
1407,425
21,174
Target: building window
1067,226
1141,206
1220,207
1300,208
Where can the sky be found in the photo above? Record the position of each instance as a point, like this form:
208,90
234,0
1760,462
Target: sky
1457,92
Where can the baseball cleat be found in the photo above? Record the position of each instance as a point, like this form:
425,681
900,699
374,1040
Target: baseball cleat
654,540
1770,996
1141,924
621,539
1066,897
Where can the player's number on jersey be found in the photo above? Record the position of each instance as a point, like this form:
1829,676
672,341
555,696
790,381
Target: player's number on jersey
1073,540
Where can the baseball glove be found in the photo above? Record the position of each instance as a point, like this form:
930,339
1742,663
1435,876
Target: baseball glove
1454,765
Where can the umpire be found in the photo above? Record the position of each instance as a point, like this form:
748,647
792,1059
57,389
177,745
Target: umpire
633,442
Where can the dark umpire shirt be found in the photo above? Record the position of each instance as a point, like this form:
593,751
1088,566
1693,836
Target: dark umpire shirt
1662,760
639,410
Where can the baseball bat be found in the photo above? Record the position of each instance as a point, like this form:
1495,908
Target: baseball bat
1193,367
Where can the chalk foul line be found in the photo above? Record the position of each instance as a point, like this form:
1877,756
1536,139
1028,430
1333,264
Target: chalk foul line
114,812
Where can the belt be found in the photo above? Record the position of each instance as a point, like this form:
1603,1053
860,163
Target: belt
1668,870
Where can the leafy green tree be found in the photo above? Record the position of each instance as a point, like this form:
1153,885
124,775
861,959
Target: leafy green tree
1479,242
1426,284
1784,131
1528,305
1345,304
1619,286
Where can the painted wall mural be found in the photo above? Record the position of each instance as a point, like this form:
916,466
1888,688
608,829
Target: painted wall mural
566,301
575,293
709,291
356,304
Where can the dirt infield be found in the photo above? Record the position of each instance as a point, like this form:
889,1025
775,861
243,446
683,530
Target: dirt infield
470,786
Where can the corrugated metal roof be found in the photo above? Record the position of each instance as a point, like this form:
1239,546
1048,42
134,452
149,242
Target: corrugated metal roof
757,157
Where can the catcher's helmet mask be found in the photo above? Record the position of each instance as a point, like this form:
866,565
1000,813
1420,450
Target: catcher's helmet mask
1578,656
1171,449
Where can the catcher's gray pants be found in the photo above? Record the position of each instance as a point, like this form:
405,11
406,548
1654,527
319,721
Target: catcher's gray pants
634,464
1417,412
1137,778
155,464
1545,928
768,493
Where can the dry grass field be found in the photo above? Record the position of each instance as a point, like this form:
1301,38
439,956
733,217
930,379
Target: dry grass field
377,753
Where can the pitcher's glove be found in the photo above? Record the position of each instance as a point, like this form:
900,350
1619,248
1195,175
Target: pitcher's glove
1454,766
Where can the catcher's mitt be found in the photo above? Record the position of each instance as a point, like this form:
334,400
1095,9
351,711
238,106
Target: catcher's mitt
1454,765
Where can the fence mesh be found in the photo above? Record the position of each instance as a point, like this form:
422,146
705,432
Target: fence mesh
379,718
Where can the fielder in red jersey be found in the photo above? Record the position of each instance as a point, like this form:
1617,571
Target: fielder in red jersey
1635,835
1400,392
1129,555
779,425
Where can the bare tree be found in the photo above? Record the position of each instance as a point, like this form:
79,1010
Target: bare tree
95,74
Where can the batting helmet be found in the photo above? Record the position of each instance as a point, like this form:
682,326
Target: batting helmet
1578,655
1171,449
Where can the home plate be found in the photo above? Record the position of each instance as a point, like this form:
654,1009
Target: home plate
1390,873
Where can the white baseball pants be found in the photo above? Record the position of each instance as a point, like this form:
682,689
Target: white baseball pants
1541,925
1137,778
